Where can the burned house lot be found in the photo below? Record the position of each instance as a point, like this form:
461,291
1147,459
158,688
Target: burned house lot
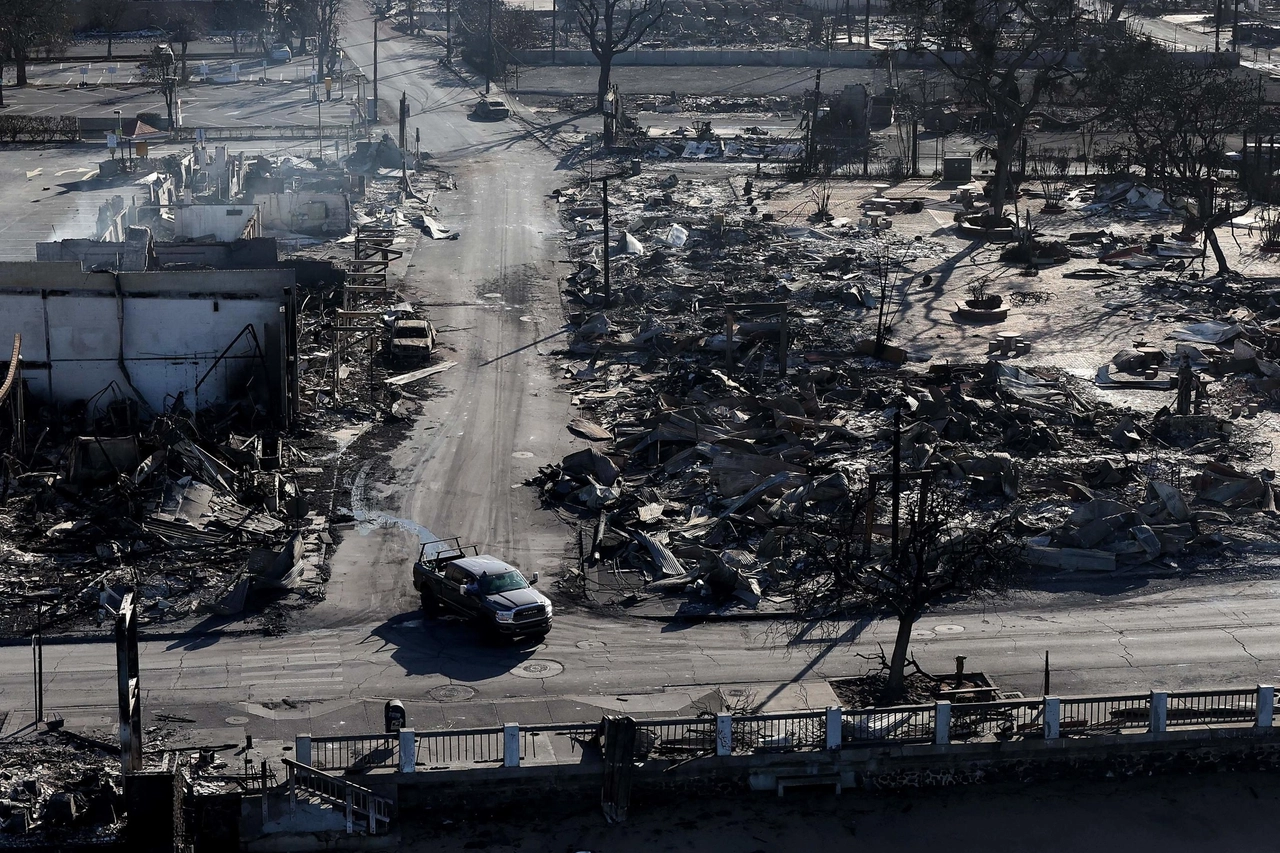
538,426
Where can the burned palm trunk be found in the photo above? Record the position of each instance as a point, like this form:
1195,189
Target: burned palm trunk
619,753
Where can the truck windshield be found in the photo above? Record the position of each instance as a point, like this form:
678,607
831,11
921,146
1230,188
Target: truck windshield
505,582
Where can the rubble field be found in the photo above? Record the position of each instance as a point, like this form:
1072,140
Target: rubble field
743,370
223,517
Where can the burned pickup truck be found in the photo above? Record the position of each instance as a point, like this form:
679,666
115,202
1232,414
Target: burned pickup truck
458,578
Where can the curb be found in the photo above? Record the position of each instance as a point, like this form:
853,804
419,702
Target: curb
143,636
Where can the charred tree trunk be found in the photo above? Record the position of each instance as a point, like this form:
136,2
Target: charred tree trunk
602,85
896,687
1212,239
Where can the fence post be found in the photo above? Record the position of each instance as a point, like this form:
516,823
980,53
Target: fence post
942,723
1052,717
1159,711
724,734
302,749
408,751
835,727
1266,705
511,745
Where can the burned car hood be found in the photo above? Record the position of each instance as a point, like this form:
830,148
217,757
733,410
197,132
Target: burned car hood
515,598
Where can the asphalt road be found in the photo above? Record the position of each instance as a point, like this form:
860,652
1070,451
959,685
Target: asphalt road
494,293
331,681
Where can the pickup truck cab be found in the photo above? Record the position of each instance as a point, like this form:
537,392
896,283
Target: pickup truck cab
480,587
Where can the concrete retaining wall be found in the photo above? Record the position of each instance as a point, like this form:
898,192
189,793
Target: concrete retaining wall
806,58
879,767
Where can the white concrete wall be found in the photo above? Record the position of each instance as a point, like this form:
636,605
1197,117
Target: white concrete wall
175,325
305,212
226,222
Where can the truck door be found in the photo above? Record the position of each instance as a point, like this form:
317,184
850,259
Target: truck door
452,577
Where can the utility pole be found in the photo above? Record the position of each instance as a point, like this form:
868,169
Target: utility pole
1217,26
37,660
866,25
373,113
319,131
448,31
127,674
897,480
1235,31
404,117
488,66
604,190
811,156
604,185
848,23
553,35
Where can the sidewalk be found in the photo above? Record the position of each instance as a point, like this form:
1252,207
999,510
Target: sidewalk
228,727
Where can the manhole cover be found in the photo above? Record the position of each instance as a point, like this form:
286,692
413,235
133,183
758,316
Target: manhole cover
590,644
922,634
949,629
237,721
538,669
451,693
522,454
531,318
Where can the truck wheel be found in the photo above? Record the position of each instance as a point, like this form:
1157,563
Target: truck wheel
430,604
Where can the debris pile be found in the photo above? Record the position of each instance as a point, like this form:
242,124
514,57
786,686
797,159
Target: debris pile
729,388
59,790
198,515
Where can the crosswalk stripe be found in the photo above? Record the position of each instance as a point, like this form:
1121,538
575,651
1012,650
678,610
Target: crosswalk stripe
296,659
337,679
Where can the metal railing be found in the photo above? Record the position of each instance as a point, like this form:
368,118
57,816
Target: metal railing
906,724
1212,707
676,738
779,732
373,811
454,747
726,734
554,742
1005,720
1094,715
354,752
